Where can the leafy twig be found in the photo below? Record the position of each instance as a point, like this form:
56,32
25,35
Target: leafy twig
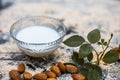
106,47
85,51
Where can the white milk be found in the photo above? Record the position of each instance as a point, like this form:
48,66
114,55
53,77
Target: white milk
37,34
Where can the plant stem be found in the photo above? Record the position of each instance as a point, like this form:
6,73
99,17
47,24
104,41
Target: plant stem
98,60
100,53
102,47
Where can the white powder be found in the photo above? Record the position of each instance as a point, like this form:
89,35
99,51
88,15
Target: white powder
37,34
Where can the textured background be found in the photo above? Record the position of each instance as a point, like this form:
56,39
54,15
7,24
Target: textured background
80,16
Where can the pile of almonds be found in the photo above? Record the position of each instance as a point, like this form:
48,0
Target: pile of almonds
52,74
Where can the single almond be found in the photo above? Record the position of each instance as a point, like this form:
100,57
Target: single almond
50,74
27,76
14,75
71,69
61,66
56,70
51,79
40,76
21,68
78,77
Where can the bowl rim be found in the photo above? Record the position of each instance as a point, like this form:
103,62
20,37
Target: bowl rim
53,42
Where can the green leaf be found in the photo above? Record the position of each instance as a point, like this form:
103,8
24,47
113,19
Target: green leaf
111,56
76,58
85,50
94,36
105,43
97,68
84,71
74,41
88,66
93,75
81,61
94,71
99,43
102,40
90,57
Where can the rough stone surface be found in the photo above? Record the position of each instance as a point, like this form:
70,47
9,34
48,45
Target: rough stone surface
80,17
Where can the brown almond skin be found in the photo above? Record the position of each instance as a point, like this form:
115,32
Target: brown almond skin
61,66
21,68
51,79
27,76
56,70
71,69
50,74
78,77
14,75
40,76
